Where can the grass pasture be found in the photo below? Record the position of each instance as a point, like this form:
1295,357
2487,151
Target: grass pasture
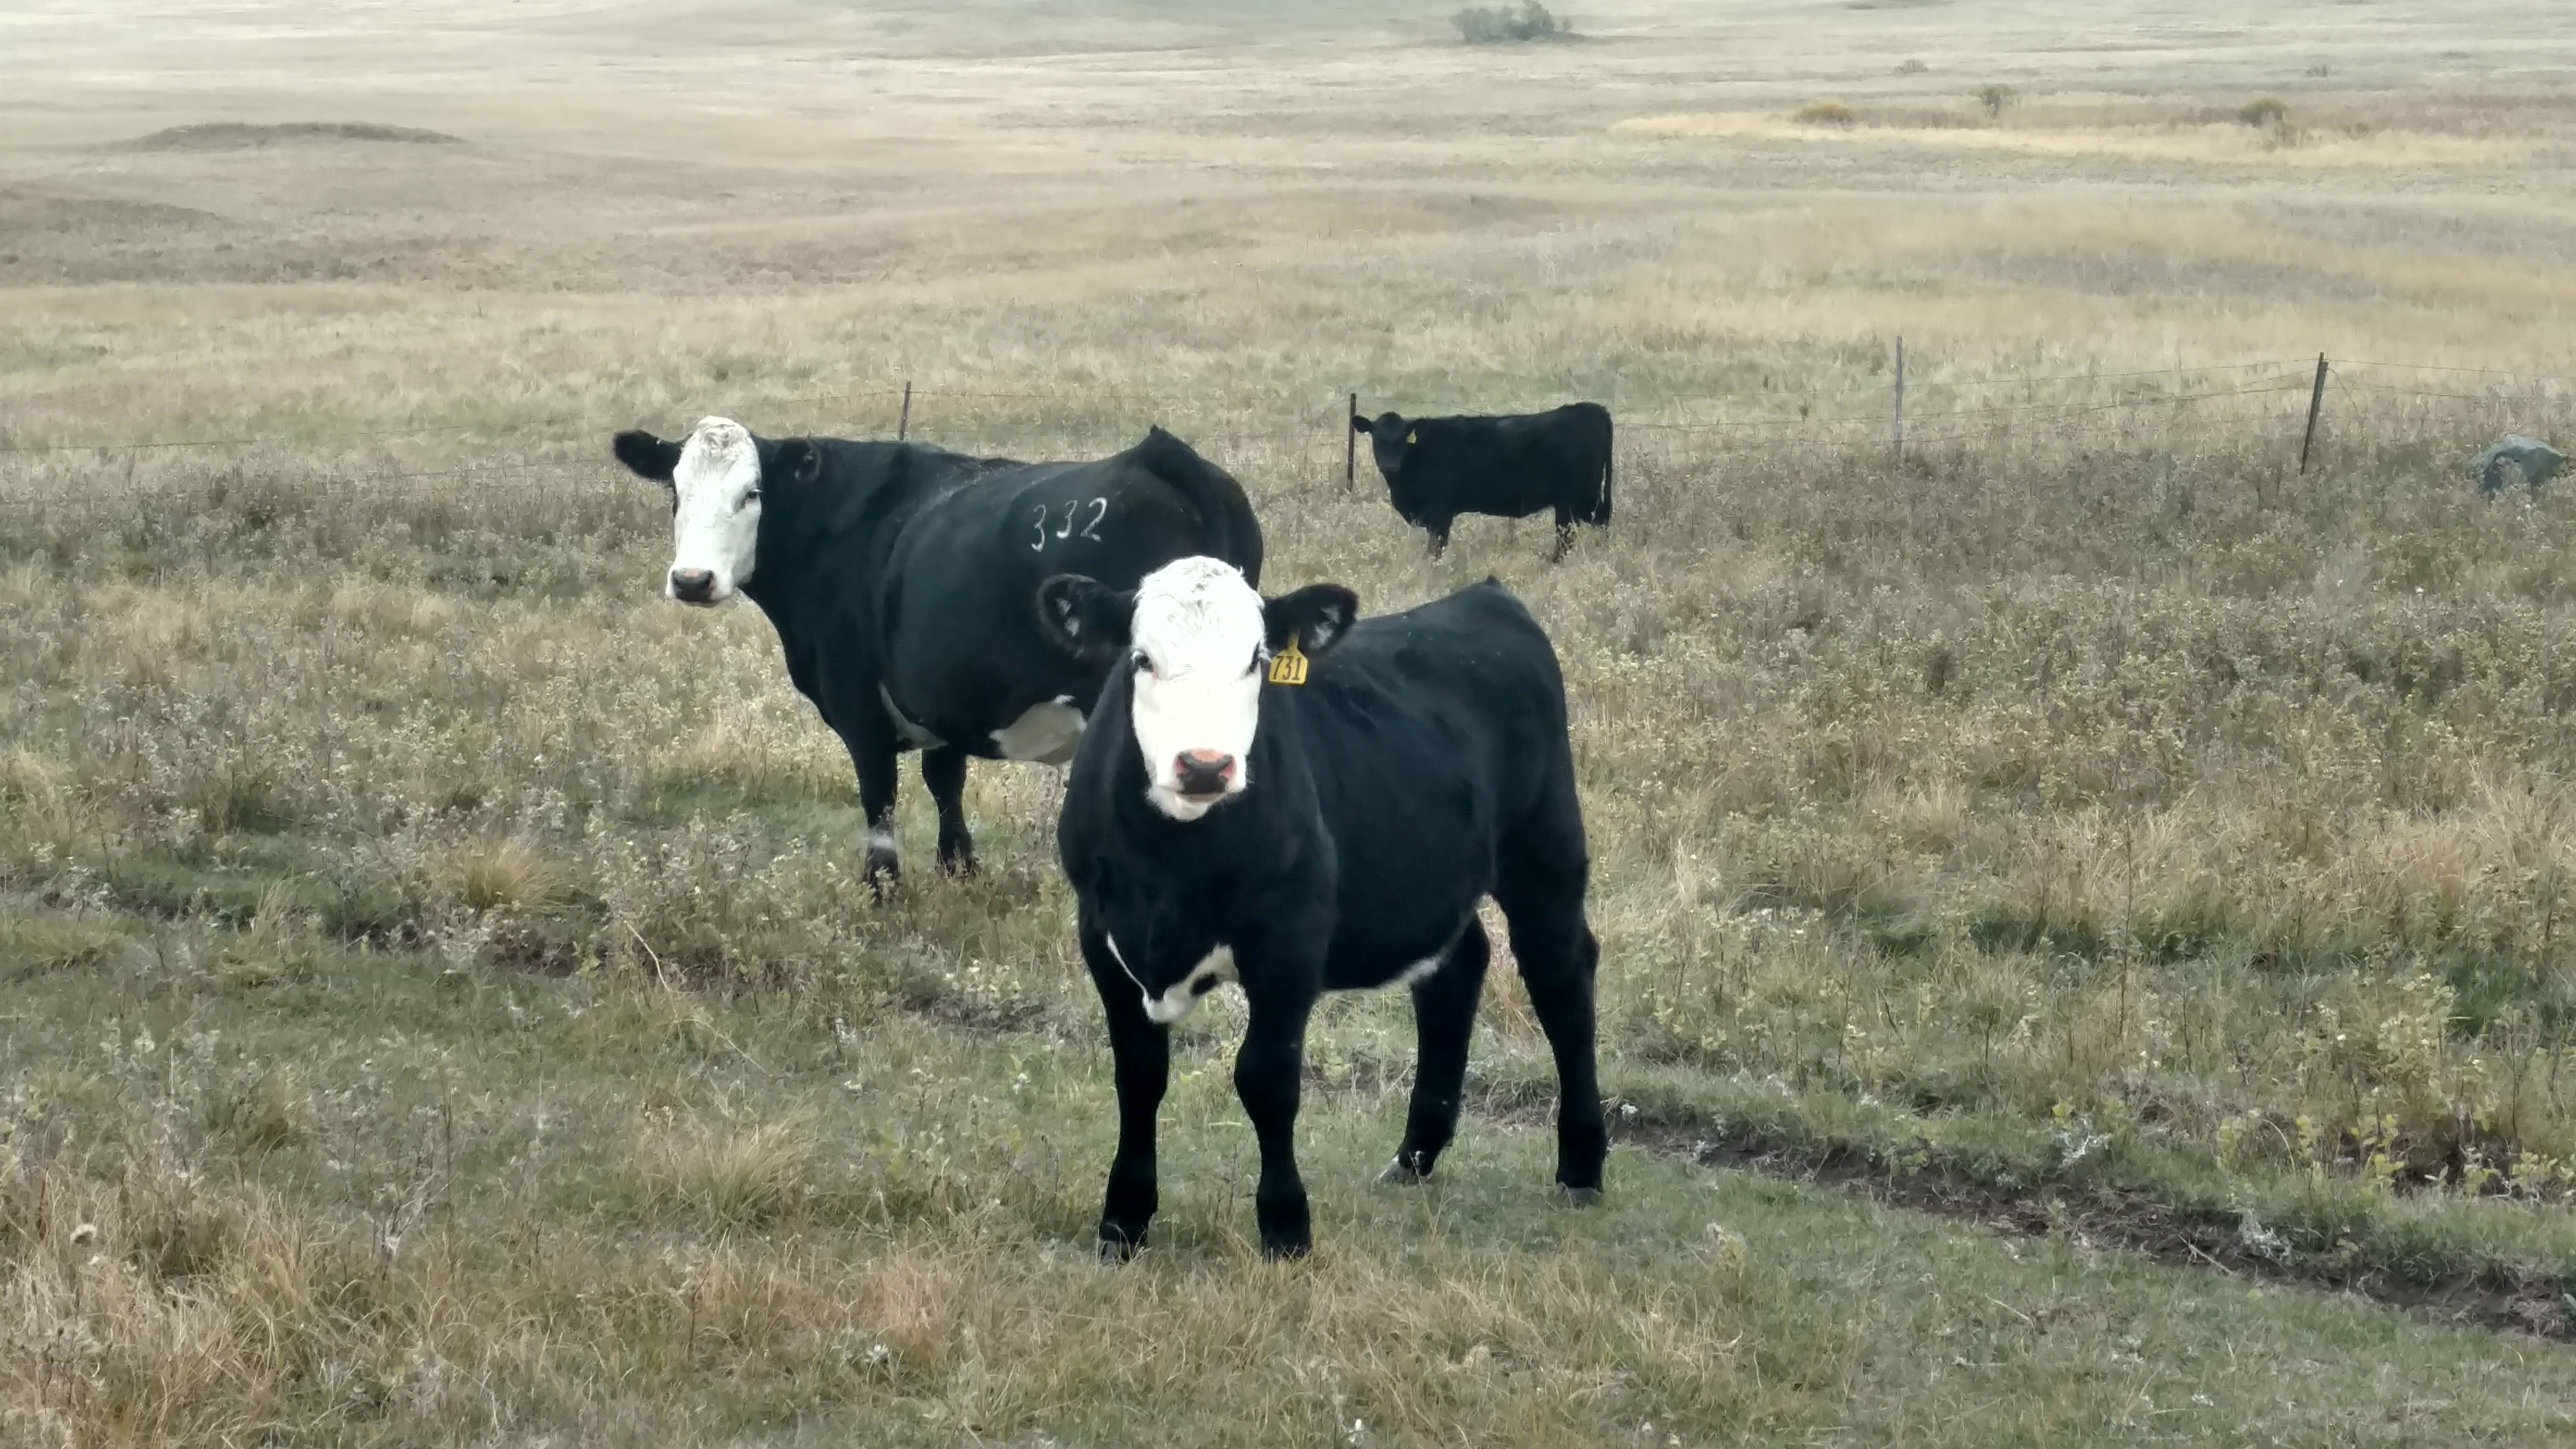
2085,903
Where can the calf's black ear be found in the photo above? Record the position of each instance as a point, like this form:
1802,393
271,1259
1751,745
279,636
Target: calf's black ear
647,456
1315,616
1359,424
1085,617
799,461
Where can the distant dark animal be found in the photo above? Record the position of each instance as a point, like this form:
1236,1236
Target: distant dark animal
2535,460
1274,795
900,580
1506,467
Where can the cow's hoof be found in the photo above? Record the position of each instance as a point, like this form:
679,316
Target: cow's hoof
881,872
959,863
1117,1245
1286,1250
1401,1173
1578,1196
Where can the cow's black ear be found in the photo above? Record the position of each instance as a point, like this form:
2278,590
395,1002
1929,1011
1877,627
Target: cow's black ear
1359,424
799,461
1085,617
1315,616
645,455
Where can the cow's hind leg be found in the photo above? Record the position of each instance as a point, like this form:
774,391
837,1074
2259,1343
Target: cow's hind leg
1541,893
943,770
1444,1017
1564,533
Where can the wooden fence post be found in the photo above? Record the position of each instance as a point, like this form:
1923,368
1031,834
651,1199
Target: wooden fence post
2316,403
903,423
1351,446
1900,396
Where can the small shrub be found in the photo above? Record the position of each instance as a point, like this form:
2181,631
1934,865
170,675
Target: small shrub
1826,113
1497,24
1912,65
1996,97
2320,70
2266,111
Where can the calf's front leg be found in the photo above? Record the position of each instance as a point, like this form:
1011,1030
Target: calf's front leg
1141,1052
1268,1074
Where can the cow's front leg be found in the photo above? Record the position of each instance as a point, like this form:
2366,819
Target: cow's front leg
943,769
1267,1075
1141,1052
873,752
1439,531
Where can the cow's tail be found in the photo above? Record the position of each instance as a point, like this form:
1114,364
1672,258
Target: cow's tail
1231,532
1601,511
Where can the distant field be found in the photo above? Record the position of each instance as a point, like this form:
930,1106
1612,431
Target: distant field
2085,903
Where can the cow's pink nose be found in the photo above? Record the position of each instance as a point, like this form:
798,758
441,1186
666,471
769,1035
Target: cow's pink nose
1203,772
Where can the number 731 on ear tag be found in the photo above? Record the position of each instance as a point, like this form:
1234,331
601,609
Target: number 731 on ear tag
1288,666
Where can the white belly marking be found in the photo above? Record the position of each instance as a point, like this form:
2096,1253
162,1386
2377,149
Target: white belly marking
1044,733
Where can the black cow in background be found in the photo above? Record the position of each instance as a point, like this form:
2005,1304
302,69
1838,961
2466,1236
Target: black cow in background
1327,822
1505,467
900,579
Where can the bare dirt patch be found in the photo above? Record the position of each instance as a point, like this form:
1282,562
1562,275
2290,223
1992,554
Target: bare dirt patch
2228,1243
242,136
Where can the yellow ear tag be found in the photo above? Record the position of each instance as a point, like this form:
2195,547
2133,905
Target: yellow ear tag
1288,666
1412,437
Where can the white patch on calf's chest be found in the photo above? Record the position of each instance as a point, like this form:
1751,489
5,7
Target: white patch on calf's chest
1420,971
1044,733
1182,997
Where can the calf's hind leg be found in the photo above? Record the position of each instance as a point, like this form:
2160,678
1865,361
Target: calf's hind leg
943,770
1444,1017
1558,958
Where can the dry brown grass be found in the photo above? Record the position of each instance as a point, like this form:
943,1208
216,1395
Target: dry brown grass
2089,776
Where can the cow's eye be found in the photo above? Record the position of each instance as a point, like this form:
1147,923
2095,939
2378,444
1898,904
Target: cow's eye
749,499
1145,662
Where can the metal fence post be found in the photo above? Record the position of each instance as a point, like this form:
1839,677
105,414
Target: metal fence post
1351,447
1900,396
2316,404
903,422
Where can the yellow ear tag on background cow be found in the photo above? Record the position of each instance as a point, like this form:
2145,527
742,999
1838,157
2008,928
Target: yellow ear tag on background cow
1411,437
1288,666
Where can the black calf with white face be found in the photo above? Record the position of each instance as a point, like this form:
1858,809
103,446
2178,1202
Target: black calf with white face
1223,825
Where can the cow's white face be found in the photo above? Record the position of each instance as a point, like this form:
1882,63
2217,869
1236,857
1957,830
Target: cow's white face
715,513
1198,646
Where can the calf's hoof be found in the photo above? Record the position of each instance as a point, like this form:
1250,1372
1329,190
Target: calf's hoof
1403,1172
1118,1244
1286,1250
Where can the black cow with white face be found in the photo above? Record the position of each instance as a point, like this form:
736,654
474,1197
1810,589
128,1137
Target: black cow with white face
1336,834
1505,467
899,578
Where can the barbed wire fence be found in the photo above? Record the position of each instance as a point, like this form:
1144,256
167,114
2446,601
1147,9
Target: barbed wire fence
2303,403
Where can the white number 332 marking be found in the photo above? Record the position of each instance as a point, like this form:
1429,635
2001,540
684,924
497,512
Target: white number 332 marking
1098,508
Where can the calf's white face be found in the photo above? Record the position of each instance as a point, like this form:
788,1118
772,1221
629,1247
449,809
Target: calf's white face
1194,639
715,513
1198,645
